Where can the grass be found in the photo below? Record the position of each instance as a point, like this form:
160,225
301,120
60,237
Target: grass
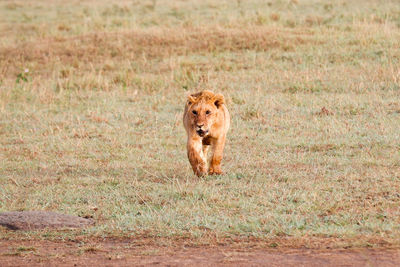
20,251
91,101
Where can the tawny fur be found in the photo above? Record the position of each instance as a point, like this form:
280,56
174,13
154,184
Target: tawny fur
206,120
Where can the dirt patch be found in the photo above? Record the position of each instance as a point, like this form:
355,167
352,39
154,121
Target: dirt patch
33,220
163,43
132,252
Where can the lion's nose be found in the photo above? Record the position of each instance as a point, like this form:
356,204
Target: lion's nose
200,125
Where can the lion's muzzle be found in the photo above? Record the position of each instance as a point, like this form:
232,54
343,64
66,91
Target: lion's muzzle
201,132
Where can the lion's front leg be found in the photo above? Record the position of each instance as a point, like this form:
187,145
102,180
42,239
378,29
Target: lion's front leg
218,152
196,157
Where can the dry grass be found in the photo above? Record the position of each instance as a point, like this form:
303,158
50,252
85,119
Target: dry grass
91,99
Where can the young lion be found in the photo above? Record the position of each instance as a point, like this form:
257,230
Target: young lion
206,120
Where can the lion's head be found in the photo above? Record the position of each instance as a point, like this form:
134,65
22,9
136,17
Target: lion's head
202,110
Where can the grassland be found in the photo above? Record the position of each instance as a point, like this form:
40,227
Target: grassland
91,100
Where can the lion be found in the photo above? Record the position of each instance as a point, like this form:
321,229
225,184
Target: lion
206,120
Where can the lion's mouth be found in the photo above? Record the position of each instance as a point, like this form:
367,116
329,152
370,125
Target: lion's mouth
202,132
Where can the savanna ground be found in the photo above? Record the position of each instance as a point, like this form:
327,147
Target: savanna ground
91,100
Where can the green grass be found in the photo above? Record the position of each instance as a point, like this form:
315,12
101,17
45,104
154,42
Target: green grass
93,126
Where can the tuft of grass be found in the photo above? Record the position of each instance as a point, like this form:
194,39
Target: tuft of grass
89,249
20,251
25,249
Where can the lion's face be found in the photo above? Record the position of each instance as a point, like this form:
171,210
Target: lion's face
202,116
202,112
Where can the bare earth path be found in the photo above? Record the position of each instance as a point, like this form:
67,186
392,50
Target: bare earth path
123,253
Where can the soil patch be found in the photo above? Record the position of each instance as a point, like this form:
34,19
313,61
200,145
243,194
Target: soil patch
133,253
33,220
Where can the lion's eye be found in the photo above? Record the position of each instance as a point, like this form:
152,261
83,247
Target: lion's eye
194,112
208,112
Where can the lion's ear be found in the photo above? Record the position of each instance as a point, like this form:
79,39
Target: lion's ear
218,100
190,100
